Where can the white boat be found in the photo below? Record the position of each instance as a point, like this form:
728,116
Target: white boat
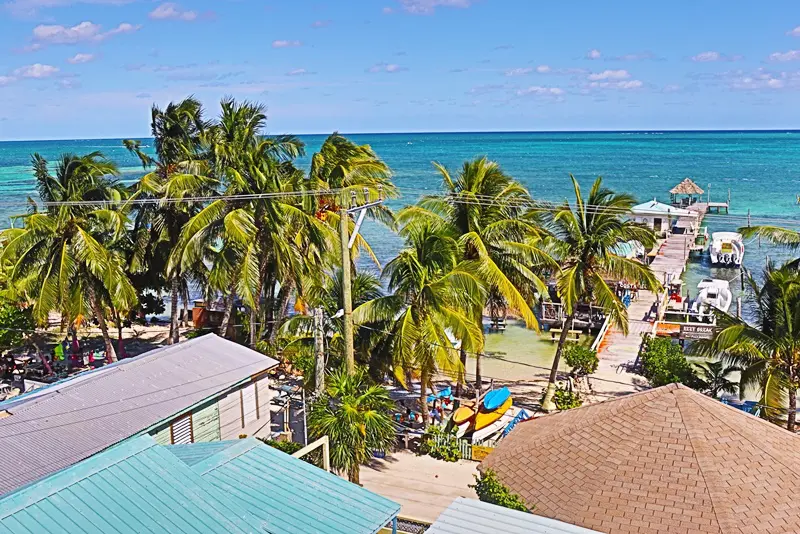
712,294
726,248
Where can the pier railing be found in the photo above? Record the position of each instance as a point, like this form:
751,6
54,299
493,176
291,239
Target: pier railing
602,334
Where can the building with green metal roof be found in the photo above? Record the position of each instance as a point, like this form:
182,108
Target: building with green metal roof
241,486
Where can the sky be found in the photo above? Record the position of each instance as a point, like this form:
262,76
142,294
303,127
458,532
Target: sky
92,68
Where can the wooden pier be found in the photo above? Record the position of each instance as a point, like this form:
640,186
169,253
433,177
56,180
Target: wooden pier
670,258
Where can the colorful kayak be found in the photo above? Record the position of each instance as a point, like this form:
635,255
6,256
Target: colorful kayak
463,415
494,399
485,418
462,429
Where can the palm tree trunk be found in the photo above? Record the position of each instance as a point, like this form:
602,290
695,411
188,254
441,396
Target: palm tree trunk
478,377
792,415
423,396
185,320
174,331
460,383
284,295
120,344
111,355
355,473
547,403
226,318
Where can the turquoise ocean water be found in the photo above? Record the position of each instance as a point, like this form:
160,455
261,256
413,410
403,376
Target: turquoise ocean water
760,169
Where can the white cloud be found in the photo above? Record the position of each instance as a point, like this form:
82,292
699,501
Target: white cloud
624,85
171,10
387,10
427,7
707,56
30,8
671,88
795,32
286,44
298,72
543,69
763,79
610,75
519,71
68,84
634,57
791,55
84,32
386,67
320,23
80,58
712,56
540,91
37,70
5,80
593,54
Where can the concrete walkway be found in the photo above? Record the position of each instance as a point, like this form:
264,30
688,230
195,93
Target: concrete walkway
424,487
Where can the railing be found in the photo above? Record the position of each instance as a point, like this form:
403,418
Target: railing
464,446
326,453
603,331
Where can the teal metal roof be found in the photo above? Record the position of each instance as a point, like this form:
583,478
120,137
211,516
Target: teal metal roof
135,487
226,487
194,453
289,495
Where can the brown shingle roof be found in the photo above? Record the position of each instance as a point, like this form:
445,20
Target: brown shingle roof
686,187
665,460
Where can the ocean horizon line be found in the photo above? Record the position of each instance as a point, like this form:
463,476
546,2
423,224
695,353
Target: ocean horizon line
458,132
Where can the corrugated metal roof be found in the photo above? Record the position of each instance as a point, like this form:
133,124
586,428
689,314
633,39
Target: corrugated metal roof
469,516
291,496
195,453
74,419
135,487
141,487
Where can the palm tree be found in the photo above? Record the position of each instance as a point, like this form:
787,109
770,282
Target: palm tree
768,351
61,256
356,417
714,379
270,240
178,131
298,331
585,236
487,210
433,297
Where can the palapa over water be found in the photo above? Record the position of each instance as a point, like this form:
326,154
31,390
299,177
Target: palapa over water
686,187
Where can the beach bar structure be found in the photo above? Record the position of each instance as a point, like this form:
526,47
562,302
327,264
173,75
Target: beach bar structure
230,487
685,193
669,459
202,390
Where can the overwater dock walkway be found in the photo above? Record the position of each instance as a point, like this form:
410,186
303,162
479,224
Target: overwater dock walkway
617,350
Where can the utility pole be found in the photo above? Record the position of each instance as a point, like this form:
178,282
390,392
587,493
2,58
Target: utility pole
347,242
319,351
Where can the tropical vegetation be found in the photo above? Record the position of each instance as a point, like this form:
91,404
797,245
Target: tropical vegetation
491,490
585,237
663,362
766,351
355,415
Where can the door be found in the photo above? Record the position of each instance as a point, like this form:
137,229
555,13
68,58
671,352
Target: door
657,225
249,406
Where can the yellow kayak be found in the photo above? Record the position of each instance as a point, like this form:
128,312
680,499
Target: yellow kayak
462,415
484,418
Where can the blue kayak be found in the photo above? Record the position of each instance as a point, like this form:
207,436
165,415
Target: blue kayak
494,399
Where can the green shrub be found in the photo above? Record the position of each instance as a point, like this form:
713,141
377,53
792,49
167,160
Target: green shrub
440,444
663,362
566,400
15,323
491,490
582,359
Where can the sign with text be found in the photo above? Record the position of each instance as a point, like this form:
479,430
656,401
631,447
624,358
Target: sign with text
479,453
696,331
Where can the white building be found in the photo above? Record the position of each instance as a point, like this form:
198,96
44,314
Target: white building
661,218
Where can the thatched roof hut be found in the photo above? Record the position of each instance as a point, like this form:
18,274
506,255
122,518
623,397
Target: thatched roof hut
686,187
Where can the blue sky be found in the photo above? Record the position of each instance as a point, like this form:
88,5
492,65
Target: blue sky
92,68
